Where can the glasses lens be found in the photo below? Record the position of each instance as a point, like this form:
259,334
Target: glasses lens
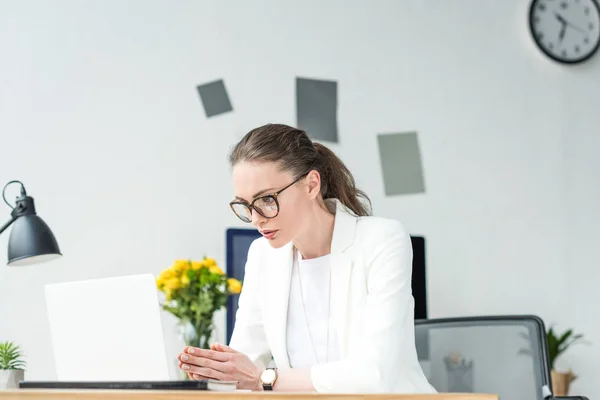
267,206
242,211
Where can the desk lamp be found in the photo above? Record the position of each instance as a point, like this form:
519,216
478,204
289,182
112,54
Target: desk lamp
31,241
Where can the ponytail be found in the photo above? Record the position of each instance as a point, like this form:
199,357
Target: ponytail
337,182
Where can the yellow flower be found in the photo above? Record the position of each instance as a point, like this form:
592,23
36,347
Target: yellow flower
168,294
234,286
185,281
166,274
196,265
215,270
210,261
180,266
172,284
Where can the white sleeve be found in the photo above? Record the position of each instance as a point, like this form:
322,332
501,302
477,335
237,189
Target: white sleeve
248,334
384,359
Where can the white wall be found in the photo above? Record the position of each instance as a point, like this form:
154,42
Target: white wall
100,119
582,187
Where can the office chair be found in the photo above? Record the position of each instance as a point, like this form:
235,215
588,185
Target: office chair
501,354
569,398
504,355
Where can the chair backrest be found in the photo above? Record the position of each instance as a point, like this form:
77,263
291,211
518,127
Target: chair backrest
570,398
506,355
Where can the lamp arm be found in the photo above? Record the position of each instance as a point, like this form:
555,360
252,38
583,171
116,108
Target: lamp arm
21,206
9,223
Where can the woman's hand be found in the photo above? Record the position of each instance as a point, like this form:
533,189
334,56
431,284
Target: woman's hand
221,363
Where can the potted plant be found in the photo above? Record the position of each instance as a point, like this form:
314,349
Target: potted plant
557,345
11,365
194,291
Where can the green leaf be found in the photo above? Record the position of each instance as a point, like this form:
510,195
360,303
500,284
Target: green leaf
559,344
565,336
11,356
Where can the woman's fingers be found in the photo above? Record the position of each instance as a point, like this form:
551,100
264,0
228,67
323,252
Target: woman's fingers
196,377
186,361
221,363
206,364
205,353
190,374
203,373
215,360
224,348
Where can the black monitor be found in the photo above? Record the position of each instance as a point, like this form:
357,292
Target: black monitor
419,277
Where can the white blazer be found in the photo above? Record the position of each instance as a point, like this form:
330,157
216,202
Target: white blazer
371,300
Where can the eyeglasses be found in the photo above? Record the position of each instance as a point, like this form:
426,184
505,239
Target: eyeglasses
267,205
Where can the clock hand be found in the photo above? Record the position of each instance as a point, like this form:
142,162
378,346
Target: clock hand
563,21
563,29
560,18
561,35
576,28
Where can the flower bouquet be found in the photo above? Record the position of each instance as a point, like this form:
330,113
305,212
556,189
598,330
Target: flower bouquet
194,291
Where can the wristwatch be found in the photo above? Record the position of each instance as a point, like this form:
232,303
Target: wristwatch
268,378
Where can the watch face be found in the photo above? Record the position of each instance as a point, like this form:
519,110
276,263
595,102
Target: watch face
268,376
567,31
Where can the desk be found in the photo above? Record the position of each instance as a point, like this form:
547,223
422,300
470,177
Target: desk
38,394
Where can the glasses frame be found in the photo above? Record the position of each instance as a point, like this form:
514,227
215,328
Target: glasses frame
250,206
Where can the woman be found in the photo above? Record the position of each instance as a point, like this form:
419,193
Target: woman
327,290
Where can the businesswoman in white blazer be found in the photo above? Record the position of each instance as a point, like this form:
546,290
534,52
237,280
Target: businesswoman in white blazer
327,289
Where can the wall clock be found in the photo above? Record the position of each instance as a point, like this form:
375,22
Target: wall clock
567,31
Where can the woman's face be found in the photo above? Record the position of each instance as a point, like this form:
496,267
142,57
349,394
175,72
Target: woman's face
252,180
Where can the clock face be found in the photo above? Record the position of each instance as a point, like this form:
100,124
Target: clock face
567,31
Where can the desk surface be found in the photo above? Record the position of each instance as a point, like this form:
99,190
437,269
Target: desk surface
38,394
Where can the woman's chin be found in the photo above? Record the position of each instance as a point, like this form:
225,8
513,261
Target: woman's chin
277,242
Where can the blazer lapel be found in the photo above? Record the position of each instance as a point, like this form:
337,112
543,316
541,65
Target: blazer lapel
277,302
341,269
280,271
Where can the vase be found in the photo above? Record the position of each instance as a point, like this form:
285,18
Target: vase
10,378
561,382
198,334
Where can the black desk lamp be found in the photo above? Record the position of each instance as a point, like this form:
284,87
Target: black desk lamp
31,240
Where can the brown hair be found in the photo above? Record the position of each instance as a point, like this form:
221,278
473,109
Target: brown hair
293,150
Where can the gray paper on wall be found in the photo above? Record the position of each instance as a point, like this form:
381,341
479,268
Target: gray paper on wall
214,98
401,165
316,108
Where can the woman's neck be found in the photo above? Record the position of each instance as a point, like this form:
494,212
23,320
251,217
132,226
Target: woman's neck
315,241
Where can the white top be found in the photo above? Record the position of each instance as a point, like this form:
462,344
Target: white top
309,315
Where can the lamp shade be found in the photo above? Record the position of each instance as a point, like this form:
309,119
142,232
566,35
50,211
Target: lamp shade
31,241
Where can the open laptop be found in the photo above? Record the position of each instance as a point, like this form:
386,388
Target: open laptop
107,334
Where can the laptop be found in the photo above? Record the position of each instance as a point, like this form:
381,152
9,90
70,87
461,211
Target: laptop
107,334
